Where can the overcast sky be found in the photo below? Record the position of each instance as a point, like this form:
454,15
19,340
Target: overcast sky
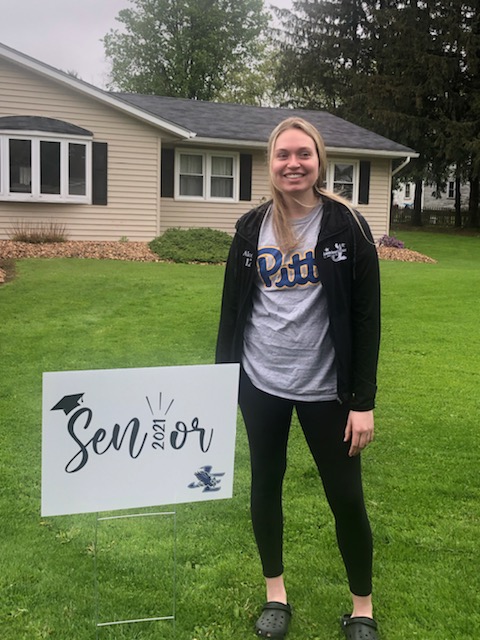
66,34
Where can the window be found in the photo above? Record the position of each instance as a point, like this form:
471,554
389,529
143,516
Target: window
191,175
408,190
20,165
50,167
77,164
342,178
45,168
451,189
222,177
206,176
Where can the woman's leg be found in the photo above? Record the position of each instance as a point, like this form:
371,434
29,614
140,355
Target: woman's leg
267,420
324,426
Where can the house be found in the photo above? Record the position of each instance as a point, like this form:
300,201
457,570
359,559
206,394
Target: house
433,197
113,165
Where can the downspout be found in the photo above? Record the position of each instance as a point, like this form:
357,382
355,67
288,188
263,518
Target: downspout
394,173
401,166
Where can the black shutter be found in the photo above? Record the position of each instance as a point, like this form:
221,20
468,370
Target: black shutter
167,173
100,173
364,186
245,176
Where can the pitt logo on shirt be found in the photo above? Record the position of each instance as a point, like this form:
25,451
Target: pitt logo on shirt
300,270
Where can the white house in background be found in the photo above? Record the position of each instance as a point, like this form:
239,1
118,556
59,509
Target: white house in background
110,165
432,197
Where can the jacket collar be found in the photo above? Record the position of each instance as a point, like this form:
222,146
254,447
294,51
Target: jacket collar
336,217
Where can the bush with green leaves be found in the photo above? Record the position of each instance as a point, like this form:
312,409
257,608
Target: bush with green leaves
192,245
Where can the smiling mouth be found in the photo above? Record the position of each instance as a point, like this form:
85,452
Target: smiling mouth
293,176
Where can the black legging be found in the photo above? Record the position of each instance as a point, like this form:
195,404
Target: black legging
267,419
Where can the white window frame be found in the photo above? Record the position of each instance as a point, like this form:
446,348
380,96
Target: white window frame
207,175
356,176
35,195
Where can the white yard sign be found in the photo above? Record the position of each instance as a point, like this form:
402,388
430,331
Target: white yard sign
128,438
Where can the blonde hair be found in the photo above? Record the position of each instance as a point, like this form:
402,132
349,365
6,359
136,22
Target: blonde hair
281,221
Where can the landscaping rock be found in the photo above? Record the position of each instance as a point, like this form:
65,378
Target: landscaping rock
138,251
404,255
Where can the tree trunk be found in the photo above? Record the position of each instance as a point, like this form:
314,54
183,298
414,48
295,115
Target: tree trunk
473,202
391,209
458,203
417,204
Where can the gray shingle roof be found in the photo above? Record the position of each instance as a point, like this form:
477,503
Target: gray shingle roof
248,123
39,123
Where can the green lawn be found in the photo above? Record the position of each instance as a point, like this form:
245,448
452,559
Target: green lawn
421,474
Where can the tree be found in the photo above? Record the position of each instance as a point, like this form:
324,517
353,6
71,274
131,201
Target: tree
472,57
366,60
408,69
186,48
324,49
456,26
256,84
401,95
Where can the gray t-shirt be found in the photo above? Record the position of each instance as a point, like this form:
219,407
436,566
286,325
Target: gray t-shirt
288,351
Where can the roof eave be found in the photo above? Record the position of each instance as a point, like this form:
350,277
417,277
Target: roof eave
229,142
347,151
379,153
92,91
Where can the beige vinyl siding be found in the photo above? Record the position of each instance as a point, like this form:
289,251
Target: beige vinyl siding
179,213
133,161
135,209
223,216
377,211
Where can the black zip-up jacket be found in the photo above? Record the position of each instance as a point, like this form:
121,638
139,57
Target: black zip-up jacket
348,268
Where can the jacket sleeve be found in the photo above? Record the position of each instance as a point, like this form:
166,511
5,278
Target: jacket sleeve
365,320
229,308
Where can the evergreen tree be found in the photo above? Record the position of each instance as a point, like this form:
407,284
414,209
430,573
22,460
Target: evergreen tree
456,28
325,48
408,69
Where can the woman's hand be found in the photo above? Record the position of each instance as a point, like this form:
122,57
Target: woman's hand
359,431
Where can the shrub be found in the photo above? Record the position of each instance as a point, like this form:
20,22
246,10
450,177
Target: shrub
38,232
391,241
192,245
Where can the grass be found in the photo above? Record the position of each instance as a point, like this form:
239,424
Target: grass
421,474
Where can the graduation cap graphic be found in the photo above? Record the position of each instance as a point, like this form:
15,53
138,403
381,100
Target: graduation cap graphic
68,403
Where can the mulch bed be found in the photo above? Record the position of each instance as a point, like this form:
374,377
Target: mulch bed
115,250
404,255
133,251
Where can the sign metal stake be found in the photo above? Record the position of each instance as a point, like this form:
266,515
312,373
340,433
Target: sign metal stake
171,617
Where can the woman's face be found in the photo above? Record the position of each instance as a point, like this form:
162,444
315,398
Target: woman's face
294,163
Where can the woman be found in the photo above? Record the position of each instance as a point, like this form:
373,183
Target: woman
300,312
